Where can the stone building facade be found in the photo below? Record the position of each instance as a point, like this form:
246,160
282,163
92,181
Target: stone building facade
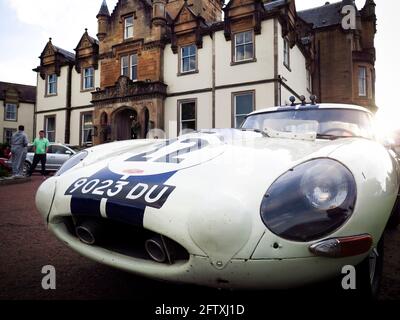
17,107
345,59
191,64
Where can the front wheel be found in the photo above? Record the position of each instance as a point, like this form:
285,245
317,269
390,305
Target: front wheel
369,273
394,220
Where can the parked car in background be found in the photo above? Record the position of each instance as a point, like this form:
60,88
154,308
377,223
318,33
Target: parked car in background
56,156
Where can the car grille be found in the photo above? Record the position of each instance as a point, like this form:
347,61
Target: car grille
127,240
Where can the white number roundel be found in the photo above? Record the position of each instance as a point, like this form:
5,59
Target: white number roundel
173,155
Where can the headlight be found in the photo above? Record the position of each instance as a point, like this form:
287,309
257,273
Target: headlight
310,201
70,163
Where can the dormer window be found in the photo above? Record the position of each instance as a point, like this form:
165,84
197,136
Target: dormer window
52,84
128,29
244,46
188,58
88,78
10,112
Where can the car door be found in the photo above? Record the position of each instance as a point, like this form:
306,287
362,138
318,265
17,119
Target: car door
57,156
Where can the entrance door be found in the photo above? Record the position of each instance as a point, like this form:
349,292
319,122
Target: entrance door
125,125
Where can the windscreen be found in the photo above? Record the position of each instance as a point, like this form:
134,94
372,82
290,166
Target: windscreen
329,122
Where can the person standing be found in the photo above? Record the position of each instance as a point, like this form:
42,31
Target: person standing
40,148
19,149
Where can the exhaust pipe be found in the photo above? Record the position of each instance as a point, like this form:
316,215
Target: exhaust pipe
89,231
161,249
157,249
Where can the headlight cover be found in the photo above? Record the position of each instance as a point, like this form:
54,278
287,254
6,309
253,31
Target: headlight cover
310,201
70,163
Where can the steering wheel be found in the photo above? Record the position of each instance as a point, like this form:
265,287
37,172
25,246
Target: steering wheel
351,133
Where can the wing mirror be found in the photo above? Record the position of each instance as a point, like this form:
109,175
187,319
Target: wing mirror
68,152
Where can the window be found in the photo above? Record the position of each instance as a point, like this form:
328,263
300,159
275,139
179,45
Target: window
309,81
10,112
124,66
133,62
362,81
54,149
243,105
129,66
286,53
50,128
188,58
87,128
88,78
52,84
244,46
187,115
128,30
8,133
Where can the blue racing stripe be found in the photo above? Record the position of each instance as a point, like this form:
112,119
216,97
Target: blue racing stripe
120,207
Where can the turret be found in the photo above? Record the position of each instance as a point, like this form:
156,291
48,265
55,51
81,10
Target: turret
159,20
102,19
159,12
369,9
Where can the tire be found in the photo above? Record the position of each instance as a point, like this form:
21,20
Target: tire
27,168
394,220
369,273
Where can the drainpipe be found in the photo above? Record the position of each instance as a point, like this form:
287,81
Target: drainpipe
213,80
68,107
277,80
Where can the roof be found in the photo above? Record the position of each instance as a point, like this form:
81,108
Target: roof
104,9
68,55
26,93
320,106
274,4
326,15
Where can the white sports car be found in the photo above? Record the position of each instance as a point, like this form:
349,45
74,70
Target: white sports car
289,199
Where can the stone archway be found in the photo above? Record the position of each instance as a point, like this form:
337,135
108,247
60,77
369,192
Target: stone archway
125,124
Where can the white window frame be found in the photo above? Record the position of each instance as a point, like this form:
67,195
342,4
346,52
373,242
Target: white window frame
309,81
128,28
46,128
189,56
88,76
84,128
14,113
12,131
125,66
244,44
286,53
235,114
128,64
362,81
51,81
181,121
133,66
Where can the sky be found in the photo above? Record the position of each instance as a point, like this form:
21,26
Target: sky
26,25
